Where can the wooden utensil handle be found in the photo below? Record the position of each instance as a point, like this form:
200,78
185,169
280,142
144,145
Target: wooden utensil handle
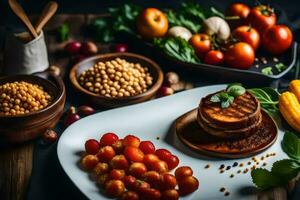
47,13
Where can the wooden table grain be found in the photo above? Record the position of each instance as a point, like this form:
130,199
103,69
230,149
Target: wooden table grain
16,161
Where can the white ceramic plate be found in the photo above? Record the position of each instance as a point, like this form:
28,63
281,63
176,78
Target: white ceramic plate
148,121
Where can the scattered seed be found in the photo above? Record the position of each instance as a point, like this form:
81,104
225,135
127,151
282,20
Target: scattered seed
222,166
222,189
246,170
249,163
157,138
264,62
221,171
275,59
264,164
227,193
256,59
257,65
207,166
253,167
262,158
239,171
257,163
274,154
228,168
254,158
231,175
267,155
242,164
235,164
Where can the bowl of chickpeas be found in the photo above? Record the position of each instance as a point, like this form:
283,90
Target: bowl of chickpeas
117,79
29,105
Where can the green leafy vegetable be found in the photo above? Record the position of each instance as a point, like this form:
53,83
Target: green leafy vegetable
268,98
227,97
178,48
267,71
283,170
291,145
280,67
63,32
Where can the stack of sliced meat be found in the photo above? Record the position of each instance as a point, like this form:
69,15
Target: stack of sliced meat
241,119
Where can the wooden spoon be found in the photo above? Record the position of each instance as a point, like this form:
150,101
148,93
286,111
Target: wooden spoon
18,10
47,13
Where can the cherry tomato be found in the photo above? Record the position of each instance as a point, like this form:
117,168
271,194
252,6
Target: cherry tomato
159,166
247,34
70,119
153,178
262,17
89,162
150,194
106,153
170,195
188,185
240,55
101,168
137,169
214,57
114,188
163,154
149,159
121,47
73,47
277,39
147,147
129,182
182,172
92,146
201,43
172,162
238,9
108,139
117,174
119,162
118,146
131,140
139,185
129,195
102,179
168,181
134,154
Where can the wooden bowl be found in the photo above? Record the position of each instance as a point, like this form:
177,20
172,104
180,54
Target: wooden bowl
21,128
101,100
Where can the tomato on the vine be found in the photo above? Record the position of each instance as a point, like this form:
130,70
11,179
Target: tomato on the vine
247,34
238,9
214,57
277,39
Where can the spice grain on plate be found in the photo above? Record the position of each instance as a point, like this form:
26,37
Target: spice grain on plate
22,97
116,78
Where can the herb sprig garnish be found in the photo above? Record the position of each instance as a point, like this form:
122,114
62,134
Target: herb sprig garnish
227,97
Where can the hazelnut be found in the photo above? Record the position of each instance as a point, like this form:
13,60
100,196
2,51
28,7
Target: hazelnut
50,136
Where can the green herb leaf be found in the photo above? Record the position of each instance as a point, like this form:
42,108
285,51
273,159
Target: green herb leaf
225,104
215,98
291,145
264,179
268,98
236,90
63,32
232,84
267,71
215,12
286,169
280,67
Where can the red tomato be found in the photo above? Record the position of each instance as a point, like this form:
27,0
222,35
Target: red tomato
92,146
182,172
188,185
131,140
238,9
129,182
108,139
170,195
277,39
119,162
247,34
101,168
102,179
137,169
129,195
73,47
134,154
159,166
214,57
117,174
118,146
150,194
163,154
106,153
139,185
147,147
262,17
201,43
168,181
172,162
153,178
114,188
89,162
149,159
240,55
121,47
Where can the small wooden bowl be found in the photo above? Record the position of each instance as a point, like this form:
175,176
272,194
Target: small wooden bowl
21,128
101,100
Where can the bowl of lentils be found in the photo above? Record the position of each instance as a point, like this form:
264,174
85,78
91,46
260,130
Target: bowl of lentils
117,79
29,105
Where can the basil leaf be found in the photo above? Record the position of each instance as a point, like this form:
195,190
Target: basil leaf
63,32
223,96
264,179
230,99
267,71
225,104
215,98
236,90
286,169
291,145
280,67
232,84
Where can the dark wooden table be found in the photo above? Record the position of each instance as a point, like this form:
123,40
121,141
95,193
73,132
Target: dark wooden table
16,161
